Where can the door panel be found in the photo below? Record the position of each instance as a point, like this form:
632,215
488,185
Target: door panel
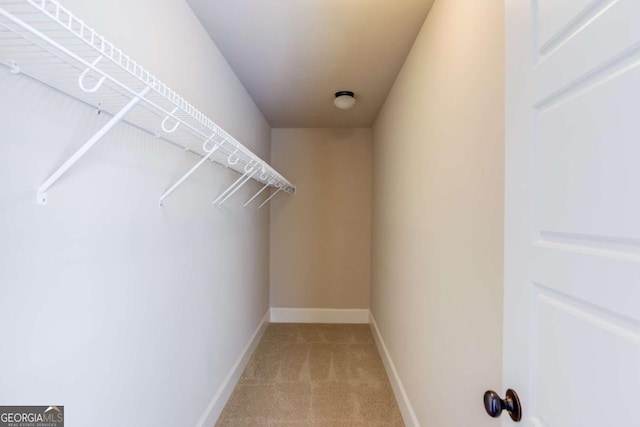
586,166
556,18
603,40
607,279
589,352
572,236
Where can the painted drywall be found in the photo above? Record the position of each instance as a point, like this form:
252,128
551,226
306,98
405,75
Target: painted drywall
321,238
438,214
294,55
124,312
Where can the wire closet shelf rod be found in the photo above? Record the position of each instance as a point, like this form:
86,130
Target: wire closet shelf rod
43,40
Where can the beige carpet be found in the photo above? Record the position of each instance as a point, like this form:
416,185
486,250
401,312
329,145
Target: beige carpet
313,375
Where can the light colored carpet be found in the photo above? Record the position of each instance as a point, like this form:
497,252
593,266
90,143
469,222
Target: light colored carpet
313,375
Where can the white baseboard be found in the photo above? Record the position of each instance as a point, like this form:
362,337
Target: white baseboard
215,407
319,315
408,415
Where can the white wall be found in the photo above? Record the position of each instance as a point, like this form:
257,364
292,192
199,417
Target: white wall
438,214
321,238
127,313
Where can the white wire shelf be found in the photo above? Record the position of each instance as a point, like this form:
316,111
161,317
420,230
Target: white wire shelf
43,40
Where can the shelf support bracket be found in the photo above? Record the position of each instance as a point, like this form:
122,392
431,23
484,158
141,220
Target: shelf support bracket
270,197
247,178
271,181
229,188
42,190
238,187
235,186
191,171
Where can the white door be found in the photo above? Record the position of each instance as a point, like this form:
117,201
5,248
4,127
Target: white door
572,248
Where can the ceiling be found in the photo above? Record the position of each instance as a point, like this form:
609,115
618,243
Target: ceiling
293,55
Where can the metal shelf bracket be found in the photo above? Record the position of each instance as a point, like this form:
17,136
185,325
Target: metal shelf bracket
270,197
249,171
209,152
41,196
271,181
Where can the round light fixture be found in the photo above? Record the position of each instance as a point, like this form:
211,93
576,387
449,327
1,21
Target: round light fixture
344,99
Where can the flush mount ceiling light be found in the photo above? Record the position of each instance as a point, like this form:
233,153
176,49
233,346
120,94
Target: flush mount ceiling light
344,99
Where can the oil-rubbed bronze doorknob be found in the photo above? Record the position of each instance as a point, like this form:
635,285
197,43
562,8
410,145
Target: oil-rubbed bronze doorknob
494,405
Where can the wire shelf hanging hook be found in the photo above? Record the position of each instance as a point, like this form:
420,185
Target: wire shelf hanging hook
233,155
215,145
248,168
84,74
164,122
264,175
